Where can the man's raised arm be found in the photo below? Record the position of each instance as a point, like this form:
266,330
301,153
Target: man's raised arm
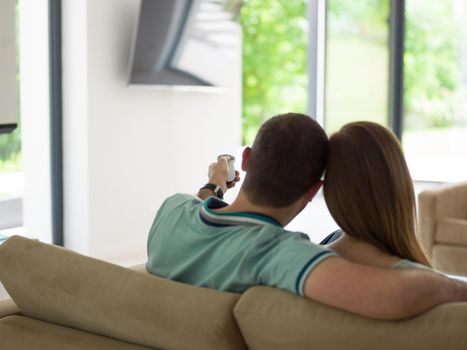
380,293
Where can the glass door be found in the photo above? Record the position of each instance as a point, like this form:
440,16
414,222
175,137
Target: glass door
435,89
357,62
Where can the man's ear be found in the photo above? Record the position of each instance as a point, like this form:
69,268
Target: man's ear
313,190
245,157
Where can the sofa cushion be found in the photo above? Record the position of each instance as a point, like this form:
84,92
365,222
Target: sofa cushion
19,332
57,285
274,319
451,231
450,258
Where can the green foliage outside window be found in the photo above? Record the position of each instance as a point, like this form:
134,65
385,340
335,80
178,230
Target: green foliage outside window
369,14
10,151
274,60
431,63
275,36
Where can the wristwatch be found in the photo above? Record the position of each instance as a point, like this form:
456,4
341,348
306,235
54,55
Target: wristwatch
214,188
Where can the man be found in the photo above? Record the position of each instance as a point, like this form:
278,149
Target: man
233,247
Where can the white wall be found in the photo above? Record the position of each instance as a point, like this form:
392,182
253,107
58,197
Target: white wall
126,148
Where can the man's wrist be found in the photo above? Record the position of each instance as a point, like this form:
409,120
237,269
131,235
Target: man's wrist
205,193
218,182
213,189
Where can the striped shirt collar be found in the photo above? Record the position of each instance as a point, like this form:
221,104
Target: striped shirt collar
213,218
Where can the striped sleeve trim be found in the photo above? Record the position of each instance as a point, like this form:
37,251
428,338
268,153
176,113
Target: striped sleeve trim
299,283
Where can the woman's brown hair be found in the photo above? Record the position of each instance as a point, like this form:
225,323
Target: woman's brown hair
369,191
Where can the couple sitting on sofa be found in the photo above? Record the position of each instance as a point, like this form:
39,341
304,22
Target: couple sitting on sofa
369,193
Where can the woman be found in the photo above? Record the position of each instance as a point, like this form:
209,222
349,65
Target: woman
369,193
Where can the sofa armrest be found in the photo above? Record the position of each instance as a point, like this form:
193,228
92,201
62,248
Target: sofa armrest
446,201
8,307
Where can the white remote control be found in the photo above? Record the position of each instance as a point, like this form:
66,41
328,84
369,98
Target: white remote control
231,161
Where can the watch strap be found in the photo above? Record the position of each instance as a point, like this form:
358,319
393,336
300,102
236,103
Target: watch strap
214,188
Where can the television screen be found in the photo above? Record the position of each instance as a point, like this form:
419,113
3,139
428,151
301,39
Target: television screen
186,42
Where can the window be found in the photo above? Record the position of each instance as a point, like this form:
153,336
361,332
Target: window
27,210
275,77
403,64
400,63
435,79
356,63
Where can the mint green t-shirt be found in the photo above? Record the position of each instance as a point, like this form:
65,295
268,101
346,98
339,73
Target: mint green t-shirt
191,243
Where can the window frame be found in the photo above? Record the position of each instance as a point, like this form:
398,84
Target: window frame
56,144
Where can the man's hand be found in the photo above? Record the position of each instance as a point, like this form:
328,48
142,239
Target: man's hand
217,174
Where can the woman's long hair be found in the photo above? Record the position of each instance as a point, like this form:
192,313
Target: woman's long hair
369,191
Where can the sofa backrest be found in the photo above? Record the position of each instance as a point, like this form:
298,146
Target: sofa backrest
274,319
57,285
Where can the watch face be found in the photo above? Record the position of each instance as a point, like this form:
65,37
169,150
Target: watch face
216,189
218,192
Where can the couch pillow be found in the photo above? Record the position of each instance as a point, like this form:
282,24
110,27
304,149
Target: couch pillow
57,285
21,333
274,319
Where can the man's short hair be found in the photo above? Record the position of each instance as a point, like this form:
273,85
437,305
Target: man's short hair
288,156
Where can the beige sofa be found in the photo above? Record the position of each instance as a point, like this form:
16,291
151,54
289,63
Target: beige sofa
443,226
63,300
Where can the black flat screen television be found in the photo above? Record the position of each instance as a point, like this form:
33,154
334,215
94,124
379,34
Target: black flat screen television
186,42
